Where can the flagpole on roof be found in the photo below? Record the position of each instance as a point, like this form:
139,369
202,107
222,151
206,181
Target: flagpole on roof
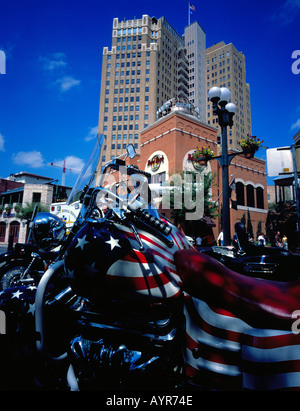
189,14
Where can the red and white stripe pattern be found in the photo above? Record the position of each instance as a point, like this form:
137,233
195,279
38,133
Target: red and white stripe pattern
149,272
224,352
271,360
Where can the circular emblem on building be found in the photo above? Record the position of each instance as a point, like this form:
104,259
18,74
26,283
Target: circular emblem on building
197,164
155,162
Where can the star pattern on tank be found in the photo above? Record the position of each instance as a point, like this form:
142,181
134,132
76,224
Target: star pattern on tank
81,242
113,243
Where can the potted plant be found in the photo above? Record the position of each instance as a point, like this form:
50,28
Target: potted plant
8,209
250,145
203,155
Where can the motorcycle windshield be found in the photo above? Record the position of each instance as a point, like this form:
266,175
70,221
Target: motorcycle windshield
125,187
89,171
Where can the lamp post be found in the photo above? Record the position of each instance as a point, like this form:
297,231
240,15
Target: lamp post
220,97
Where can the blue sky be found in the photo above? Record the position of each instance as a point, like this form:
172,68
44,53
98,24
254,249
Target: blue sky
49,96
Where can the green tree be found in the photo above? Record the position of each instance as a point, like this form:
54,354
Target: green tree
25,213
243,219
259,229
210,209
249,224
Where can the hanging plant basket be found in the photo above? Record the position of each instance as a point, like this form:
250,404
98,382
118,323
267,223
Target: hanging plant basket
203,156
250,145
202,161
249,152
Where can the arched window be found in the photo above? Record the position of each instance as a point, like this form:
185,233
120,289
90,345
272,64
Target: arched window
14,229
250,195
2,232
259,197
240,193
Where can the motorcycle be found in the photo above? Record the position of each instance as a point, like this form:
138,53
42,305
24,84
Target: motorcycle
108,312
130,304
26,262
270,263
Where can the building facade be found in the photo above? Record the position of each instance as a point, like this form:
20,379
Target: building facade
167,148
195,44
145,67
226,67
28,189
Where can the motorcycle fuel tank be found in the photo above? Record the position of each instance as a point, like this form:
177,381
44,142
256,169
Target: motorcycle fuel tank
106,260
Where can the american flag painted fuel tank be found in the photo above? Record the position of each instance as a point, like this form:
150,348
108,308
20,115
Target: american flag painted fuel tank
151,271
108,258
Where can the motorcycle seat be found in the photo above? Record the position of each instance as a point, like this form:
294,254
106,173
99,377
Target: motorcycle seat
260,303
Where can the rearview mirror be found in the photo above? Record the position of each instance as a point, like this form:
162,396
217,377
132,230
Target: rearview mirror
130,151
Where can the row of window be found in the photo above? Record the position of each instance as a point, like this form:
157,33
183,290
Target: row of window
124,136
249,195
127,80
128,32
121,127
132,117
221,56
130,108
129,47
124,127
124,39
121,90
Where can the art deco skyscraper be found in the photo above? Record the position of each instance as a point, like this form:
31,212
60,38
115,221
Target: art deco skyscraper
145,67
195,43
226,67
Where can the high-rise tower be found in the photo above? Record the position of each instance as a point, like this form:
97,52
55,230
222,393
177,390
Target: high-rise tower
195,43
226,67
145,67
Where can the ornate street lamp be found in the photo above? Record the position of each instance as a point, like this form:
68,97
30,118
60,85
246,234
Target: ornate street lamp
225,111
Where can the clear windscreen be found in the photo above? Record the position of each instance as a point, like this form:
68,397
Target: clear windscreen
89,172
126,188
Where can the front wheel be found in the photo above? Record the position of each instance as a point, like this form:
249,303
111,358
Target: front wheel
13,276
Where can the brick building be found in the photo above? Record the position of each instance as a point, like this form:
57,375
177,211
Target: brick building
169,143
19,190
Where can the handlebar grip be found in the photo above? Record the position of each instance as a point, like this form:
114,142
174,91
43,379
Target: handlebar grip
154,222
135,170
145,173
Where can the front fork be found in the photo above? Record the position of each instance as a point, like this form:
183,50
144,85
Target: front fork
34,257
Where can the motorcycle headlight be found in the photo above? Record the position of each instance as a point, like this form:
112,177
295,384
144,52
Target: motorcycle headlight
48,231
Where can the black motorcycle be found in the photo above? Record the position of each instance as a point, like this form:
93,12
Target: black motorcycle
108,313
270,263
26,263
130,304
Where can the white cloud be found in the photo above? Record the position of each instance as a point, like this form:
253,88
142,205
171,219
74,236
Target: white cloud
287,13
33,159
54,61
92,134
72,163
54,65
67,82
296,124
2,143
